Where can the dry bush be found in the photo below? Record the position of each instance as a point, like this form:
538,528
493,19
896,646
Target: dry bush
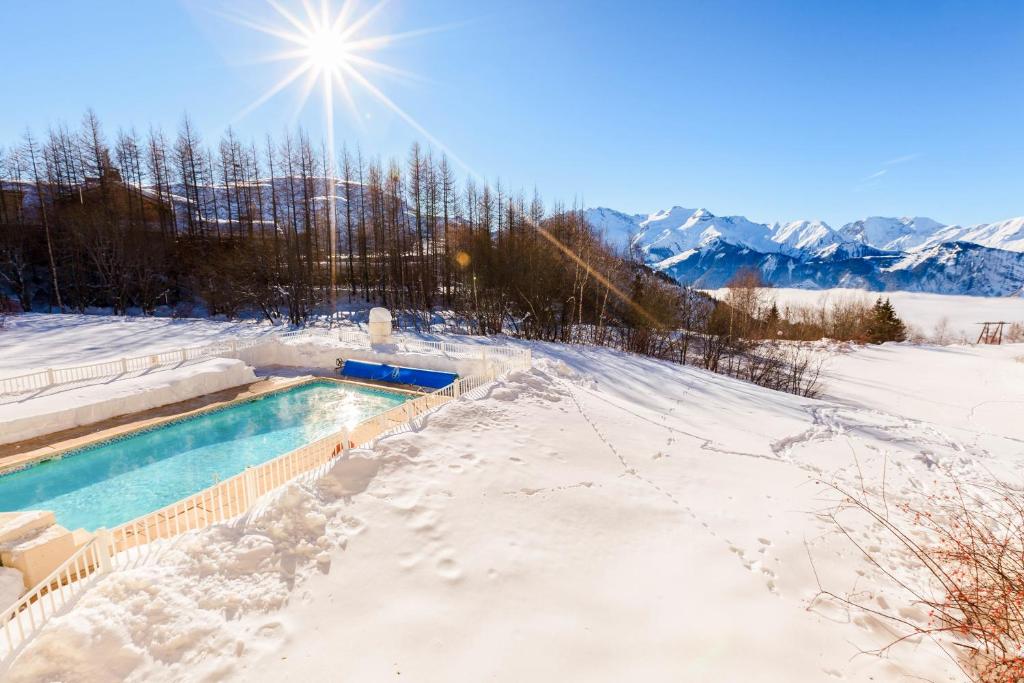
916,335
792,367
1015,333
968,545
845,319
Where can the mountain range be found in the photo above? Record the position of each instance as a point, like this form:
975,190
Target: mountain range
699,248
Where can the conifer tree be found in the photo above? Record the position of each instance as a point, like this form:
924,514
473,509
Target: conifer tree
884,325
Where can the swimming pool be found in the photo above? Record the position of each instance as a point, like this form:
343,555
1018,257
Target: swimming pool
116,481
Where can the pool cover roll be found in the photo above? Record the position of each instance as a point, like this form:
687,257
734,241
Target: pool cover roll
380,372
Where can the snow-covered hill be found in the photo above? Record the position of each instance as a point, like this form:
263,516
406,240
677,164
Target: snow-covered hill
603,517
913,254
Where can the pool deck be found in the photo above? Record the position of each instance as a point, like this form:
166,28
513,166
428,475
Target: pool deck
17,455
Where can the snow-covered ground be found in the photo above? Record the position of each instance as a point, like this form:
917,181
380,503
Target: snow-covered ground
922,310
33,341
603,517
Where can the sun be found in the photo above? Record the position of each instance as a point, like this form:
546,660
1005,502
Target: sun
329,48
326,51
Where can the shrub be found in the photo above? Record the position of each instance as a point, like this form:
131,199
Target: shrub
968,544
183,309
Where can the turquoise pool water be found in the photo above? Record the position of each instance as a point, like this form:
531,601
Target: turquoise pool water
117,481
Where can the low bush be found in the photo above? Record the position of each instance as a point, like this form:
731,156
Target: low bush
967,547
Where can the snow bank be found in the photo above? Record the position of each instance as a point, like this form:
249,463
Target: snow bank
35,340
65,407
323,354
11,586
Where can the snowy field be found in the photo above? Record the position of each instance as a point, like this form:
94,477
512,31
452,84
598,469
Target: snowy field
923,311
603,517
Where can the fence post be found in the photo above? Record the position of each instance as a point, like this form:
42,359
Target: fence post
457,388
234,346
344,443
488,366
103,543
249,479
124,366
50,379
184,355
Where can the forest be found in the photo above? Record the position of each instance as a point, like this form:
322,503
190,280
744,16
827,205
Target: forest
164,224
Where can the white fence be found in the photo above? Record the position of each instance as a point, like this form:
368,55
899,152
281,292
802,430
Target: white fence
234,496
53,594
39,380
50,377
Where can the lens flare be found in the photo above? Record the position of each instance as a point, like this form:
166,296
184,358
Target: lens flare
330,51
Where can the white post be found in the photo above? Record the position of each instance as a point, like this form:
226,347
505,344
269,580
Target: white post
154,361
124,365
50,378
250,486
457,388
344,443
234,346
103,545
183,355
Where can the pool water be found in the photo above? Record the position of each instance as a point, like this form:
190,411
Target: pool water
116,481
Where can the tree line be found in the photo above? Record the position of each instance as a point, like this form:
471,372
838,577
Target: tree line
282,229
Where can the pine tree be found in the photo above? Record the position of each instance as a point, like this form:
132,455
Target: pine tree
773,321
884,325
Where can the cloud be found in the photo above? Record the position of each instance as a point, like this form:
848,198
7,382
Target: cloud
873,180
901,160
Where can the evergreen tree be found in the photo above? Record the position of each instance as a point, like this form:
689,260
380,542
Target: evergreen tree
773,321
884,325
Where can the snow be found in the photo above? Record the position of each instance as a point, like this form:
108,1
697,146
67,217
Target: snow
798,237
11,585
1008,234
891,234
922,310
74,339
25,416
602,517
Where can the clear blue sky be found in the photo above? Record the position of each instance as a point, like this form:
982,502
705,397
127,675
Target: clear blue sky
776,110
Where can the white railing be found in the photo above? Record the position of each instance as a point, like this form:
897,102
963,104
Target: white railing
50,377
52,595
229,498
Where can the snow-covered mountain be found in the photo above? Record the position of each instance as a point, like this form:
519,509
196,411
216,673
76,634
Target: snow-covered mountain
909,253
1008,234
890,234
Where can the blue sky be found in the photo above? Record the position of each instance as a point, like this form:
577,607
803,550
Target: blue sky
775,110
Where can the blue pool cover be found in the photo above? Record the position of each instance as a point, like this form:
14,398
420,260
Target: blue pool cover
432,379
